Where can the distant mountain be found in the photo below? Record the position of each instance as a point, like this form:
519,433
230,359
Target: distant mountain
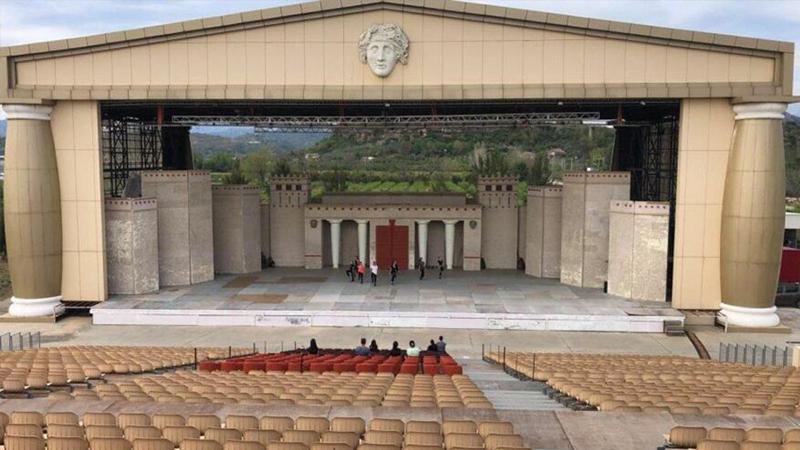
231,141
792,118
3,125
230,132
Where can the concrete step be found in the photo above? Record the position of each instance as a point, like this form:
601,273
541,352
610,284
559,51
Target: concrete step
506,392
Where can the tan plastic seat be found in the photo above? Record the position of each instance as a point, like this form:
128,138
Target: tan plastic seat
223,435
203,422
487,428
178,434
243,445
349,424
152,444
99,418
23,443
61,418
323,446
377,447
265,437
763,434
109,444
200,444
686,437
241,423
792,435
287,446
318,424
418,426
134,432
162,421
791,446
346,438
462,440
125,420
459,426
725,434
391,438
756,445
424,439
710,444
305,437
101,431
64,431
391,425
276,423
26,417
495,441
4,419
23,429
67,443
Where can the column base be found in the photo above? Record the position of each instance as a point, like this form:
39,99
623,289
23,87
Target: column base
750,317
35,307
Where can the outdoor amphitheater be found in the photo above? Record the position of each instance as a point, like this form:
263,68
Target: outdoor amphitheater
618,293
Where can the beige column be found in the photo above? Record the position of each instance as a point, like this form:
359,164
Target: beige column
422,244
32,212
362,240
449,242
753,216
336,233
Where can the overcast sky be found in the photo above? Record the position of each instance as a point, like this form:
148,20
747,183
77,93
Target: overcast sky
24,21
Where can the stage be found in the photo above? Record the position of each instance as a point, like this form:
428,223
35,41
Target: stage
490,299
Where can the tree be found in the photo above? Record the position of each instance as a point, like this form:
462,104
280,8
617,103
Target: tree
539,174
256,168
235,176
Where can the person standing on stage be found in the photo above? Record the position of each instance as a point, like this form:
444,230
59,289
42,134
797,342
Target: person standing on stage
394,269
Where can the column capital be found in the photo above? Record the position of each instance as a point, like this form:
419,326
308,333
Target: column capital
362,221
336,221
451,221
759,111
423,221
30,112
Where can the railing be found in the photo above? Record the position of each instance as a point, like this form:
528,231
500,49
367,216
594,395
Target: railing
756,355
20,341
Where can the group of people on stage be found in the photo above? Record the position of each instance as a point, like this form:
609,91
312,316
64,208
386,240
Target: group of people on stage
438,347
357,269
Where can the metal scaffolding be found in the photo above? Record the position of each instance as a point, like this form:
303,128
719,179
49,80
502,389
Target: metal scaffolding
128,146
444,122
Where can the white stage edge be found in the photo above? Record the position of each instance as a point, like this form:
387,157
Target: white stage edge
381,319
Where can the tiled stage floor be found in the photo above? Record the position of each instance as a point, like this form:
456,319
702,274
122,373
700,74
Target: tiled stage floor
305,297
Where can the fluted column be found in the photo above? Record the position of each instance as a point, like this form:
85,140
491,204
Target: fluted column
362,240
753,216
336,232
449,241
32,212
422,231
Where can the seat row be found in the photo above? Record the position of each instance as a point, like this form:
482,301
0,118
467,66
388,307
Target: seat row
728,438
308,388
654,384
168,431
58,367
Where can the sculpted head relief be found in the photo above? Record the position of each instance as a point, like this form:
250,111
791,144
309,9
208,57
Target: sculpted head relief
382,46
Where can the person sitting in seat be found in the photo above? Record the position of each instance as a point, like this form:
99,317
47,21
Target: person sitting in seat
412,350
396,350
373,346
312,347
441,345
362,350
432,347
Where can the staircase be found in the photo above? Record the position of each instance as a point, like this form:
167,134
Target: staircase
507,392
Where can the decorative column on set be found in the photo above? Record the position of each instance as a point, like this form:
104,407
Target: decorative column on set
336,232
753,216
32,201
362,240
422,231
449,241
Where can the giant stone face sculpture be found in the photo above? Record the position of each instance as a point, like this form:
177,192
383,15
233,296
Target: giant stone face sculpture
382,46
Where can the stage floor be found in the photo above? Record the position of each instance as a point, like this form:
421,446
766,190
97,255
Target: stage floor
490,299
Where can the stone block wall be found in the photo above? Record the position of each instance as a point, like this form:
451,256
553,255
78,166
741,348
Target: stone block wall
586,198
237,228
522,223
543,232
185,225
132,253
498,196
472,244
637,250
265,241
288,197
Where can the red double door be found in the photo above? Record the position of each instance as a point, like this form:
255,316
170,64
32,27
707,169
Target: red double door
391,244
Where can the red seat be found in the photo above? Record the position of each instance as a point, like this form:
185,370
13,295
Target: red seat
253,365
208,366
366,367
294,366
344,367
450,369
320,367
388,368
231,365
410,369
430,369
446,360
277,366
